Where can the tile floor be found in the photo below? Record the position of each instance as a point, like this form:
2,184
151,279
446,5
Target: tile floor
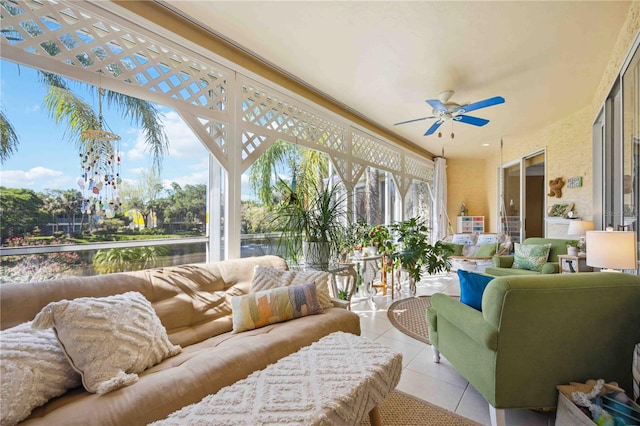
439,384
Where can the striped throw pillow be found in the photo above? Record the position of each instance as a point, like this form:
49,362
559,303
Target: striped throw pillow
262,308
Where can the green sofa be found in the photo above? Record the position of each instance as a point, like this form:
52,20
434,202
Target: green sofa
536,332
502,264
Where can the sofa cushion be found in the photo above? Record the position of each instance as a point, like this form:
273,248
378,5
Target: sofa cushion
508,271
486,250
472,287
33,369
464,239
265,278
108,339
255,310
487,239
201,369
530,256
456,249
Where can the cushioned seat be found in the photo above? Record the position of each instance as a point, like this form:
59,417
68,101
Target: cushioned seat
504,264
195,305
535,332
478,246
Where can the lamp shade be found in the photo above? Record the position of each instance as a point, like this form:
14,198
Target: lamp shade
580,227
612,250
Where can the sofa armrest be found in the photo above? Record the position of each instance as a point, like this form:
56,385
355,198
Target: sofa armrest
550,268
339,303
466,319
502,261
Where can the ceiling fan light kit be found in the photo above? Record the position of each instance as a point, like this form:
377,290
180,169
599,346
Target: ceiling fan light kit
443,110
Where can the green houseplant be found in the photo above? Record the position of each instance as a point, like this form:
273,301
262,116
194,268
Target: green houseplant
312,216
572,247
414,253
379,237
352,239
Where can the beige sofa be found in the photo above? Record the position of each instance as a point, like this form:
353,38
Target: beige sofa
193,303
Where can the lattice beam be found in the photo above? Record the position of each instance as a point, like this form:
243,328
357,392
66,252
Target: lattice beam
67,34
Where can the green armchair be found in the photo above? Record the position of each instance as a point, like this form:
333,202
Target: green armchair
502,264
536,332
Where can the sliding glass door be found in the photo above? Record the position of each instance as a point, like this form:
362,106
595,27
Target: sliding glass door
616,151
522,197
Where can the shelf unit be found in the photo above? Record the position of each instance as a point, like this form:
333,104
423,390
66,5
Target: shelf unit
470,224
512,228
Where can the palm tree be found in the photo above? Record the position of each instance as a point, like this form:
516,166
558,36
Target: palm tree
8,138
284,157
69,202
52,206
64,105
128,259
372,196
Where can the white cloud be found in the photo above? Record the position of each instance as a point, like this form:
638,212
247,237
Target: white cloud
37,178
183,143
196,178
32,108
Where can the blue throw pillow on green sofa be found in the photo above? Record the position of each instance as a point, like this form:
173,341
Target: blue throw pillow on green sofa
472,286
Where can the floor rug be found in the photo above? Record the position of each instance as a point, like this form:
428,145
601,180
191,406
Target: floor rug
409,316
400,409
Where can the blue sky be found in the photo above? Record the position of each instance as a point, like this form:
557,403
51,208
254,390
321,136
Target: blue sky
46,159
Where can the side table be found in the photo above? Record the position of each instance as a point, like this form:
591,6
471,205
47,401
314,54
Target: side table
573,264
370,268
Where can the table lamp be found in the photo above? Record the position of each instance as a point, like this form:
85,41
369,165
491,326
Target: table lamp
579,228
612,250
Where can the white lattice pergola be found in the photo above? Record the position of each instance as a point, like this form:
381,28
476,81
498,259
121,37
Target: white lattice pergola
235,114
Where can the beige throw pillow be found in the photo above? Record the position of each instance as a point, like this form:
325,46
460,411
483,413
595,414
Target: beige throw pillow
265,278
108,340
33,369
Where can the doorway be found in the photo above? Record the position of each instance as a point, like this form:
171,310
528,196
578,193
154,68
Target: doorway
522,202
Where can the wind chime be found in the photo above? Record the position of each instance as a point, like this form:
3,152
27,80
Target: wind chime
100,170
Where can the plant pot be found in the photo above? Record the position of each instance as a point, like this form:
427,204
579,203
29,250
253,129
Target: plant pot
370,250
572,251
316,254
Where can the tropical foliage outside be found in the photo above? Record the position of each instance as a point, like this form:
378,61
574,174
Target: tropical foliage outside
149,210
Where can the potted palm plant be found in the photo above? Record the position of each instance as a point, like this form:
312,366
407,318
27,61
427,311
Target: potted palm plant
312,216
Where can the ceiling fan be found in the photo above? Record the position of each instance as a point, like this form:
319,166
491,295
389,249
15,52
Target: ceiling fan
443,110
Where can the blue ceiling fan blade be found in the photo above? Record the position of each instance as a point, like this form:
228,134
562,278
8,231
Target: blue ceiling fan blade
436,104
481,104
471,120
433,128
411,121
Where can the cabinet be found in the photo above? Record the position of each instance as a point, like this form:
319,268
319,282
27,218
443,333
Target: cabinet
573,264
470,224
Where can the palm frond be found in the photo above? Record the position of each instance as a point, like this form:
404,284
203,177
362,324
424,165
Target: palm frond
149,117
266,167
65,106
8,138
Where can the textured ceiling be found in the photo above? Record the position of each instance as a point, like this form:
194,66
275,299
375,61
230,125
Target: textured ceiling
383,59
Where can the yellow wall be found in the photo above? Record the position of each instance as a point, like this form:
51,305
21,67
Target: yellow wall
466,181
568,143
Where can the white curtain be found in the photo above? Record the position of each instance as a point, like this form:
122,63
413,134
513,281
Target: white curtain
440,219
